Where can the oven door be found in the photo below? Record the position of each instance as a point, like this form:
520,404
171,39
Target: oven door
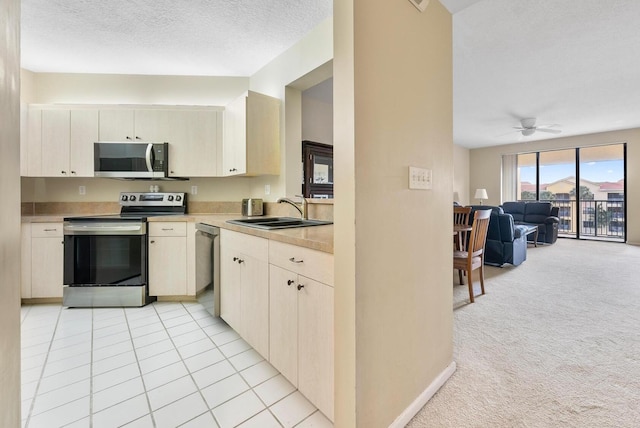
105,263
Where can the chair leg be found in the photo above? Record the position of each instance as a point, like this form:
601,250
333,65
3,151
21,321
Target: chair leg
470,280
460,277
482,277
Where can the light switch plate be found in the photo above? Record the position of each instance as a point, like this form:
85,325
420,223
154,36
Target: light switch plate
420,178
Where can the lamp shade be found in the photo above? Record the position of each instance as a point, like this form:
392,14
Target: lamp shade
481,194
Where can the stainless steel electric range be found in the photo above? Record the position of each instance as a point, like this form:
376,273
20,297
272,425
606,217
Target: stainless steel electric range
106,257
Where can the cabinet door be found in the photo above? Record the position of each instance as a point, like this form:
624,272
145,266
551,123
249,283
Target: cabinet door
255,303
262,146
229,283
194,144
55,143
33,142
25,261
167,266
283,322
47,256
234,146
116,125
315,346
83,133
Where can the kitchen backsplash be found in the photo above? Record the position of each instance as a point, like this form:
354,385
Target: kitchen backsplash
318,209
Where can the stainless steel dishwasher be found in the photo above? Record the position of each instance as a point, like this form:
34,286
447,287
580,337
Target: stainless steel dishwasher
208,267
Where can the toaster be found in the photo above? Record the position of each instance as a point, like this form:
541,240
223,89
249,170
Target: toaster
251,207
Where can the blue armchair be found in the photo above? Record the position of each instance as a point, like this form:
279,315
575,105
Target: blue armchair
506,242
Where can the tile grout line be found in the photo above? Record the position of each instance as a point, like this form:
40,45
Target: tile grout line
189,371
144,386
44,364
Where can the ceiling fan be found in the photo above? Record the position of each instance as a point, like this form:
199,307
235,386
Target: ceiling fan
529,127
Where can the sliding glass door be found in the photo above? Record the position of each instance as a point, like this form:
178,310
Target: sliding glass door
586,184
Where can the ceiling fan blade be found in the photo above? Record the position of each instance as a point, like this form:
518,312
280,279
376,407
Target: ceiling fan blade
551,131
547,126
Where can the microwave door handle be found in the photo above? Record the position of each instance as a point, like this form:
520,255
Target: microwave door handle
149,157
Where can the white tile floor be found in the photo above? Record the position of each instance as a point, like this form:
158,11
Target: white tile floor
163,365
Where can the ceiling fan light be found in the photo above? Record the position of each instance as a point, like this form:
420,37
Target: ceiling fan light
527,132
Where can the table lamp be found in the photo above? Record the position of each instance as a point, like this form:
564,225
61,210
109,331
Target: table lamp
481,194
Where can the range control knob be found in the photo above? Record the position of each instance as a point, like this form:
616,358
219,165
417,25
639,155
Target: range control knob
170,198
178,198
124,198
132,197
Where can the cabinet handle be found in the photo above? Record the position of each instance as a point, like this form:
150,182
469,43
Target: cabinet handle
138,138
167,229
291,281
238,259
152,242
63,172
50,230
293,260
232,170
128,138
73,172
300,287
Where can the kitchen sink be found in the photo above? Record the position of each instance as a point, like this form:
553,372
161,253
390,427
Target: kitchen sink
270,223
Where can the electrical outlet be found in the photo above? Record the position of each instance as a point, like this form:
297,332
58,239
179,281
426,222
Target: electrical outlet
82,190
420,178
194,190
267,189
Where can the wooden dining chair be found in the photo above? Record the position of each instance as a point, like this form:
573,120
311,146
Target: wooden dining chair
472,258
461,216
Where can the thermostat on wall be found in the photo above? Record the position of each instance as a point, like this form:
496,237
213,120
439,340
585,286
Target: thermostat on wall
420,4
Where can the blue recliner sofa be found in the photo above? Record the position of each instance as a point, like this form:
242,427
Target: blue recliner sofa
538,213
506,242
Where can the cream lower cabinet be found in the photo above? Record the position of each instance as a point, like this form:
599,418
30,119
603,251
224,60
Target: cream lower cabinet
244,287
168,259
301,320
42,260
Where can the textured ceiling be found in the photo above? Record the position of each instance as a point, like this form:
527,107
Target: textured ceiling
575,63
572,62
166,37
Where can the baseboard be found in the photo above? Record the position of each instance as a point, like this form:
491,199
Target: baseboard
405,417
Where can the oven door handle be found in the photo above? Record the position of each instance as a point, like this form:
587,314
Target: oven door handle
97,228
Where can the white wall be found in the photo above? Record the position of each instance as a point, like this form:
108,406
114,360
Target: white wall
310,53
486,164
461,175
317,120
10,213
393,109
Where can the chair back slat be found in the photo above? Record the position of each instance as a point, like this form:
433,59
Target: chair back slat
461,216
479,230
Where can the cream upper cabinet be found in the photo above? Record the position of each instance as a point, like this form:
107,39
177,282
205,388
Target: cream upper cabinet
117,125
59,142
84,132
244,287
193,135
251,142
168,259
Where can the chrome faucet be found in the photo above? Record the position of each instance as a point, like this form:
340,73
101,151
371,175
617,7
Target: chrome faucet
303,211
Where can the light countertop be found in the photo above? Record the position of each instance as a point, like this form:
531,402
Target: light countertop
314,237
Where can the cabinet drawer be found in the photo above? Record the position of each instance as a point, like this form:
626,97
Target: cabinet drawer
247,244
169,228
304,261
42,230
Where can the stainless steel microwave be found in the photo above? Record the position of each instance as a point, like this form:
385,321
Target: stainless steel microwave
131,159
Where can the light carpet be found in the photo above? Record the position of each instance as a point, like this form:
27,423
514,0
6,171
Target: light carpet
555,342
